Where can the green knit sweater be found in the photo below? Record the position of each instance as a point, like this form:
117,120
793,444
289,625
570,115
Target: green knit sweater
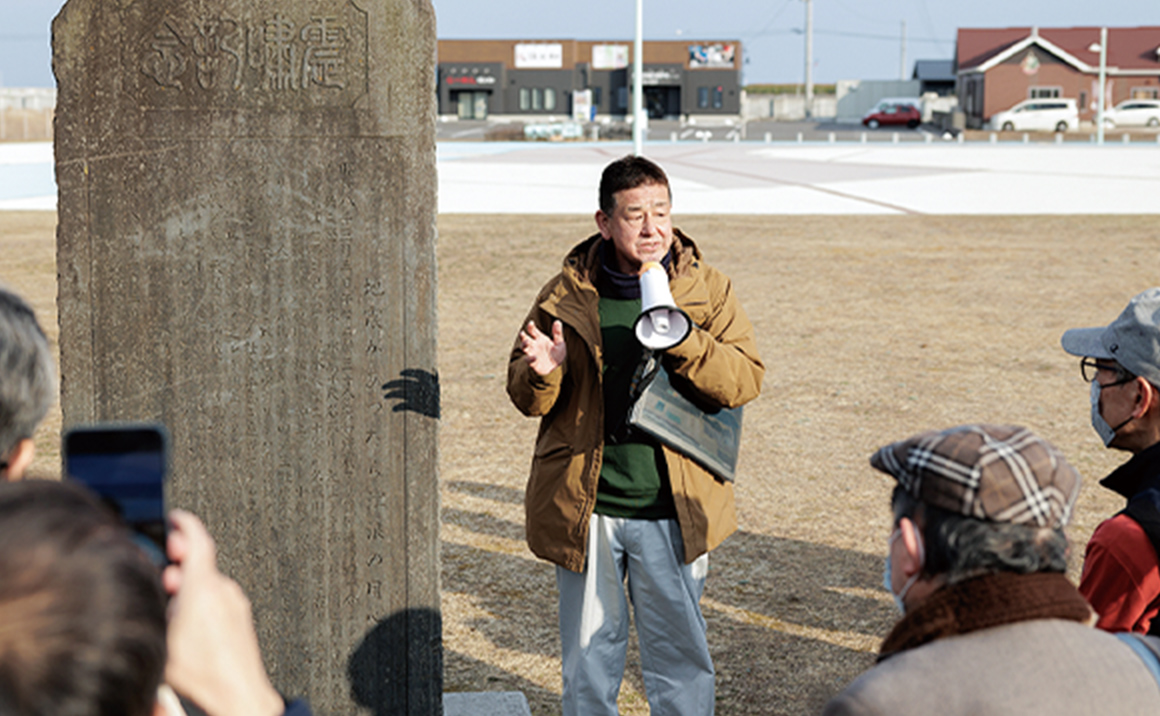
633,478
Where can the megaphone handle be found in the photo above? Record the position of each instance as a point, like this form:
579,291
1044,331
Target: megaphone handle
649,364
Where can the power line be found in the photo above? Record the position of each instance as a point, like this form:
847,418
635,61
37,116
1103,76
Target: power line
859,35
770,22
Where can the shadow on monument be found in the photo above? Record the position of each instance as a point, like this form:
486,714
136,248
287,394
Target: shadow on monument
397,667
417,390
757,584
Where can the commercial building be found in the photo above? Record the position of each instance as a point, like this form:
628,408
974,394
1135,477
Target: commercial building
997,68
532,79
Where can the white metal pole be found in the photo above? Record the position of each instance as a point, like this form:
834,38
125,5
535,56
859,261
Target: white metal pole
902,57
1103,79
809,58
638,83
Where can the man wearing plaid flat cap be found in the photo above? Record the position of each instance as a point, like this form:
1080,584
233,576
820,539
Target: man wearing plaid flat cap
976,564
1121,572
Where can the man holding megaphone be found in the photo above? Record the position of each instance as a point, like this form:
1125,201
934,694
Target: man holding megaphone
609,505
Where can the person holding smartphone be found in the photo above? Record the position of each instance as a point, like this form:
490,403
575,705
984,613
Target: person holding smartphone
87,627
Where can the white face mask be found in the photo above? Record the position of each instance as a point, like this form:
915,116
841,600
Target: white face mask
888,583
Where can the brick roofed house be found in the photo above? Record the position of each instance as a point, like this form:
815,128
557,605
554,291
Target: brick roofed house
1000,67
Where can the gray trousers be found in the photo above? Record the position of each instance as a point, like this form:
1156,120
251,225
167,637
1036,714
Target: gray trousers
665,592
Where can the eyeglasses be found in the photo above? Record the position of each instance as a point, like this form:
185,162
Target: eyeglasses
1089,369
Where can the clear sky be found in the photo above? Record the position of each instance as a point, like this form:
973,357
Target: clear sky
853,39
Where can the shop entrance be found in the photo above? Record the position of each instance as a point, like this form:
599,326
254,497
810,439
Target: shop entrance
472,105
662,102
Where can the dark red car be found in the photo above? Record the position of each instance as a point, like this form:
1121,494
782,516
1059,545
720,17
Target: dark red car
886,113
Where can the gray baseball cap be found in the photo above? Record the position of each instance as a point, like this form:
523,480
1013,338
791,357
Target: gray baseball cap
1132,340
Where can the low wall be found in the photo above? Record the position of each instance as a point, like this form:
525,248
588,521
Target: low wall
786,107
23,125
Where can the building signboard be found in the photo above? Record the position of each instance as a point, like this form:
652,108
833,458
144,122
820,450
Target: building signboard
582,109
473,80
715,55
609,57
540,56
654,76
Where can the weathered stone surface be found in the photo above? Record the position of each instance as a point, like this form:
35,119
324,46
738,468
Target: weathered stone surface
246,254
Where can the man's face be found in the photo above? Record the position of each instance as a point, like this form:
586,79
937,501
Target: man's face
640,226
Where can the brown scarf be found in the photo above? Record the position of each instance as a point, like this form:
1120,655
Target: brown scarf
983,602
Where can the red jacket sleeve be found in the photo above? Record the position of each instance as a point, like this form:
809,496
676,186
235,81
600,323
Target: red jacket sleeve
1121,576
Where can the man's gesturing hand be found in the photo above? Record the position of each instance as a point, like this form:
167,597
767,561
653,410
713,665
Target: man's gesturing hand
544,354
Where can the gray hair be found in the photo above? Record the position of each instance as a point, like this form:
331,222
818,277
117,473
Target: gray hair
960,547
27,379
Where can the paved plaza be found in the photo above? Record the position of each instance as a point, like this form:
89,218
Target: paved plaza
758,178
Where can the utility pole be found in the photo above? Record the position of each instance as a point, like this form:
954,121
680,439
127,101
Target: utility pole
902,59
1103,85
809,58
638,82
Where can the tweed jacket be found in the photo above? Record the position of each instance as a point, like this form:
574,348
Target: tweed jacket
719,358
1048,667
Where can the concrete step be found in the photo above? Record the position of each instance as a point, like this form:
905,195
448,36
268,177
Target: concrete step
486,703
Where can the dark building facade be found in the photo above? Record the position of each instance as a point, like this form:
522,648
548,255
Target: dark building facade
542,78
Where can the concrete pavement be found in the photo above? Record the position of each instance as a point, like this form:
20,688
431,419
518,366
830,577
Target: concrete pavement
757,177
819,178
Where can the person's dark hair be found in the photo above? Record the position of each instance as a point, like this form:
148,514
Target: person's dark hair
629,172
82,608
27,379
960,547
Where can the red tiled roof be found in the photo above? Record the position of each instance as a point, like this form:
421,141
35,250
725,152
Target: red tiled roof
1129,48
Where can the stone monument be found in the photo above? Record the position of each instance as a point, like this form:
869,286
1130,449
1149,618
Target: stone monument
246,255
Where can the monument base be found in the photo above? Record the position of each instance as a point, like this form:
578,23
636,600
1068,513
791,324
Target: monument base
486,703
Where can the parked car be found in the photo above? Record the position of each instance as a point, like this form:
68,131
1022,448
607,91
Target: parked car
1057,114
894,111
1134,113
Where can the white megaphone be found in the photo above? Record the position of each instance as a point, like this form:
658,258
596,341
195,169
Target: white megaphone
660,325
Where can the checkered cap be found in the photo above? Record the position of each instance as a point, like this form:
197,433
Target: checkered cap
1000,473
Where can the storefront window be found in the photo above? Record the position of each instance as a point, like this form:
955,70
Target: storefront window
525,100
537,98
718,97
703,97
549,99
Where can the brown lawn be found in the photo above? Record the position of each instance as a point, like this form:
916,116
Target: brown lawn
871,329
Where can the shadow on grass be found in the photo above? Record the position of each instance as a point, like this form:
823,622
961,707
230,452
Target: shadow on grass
790,622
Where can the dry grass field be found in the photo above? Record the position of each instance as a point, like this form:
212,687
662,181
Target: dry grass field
871,329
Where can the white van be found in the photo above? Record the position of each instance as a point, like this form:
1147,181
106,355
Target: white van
1055,114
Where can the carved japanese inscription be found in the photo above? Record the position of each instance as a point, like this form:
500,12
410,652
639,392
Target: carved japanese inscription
235,59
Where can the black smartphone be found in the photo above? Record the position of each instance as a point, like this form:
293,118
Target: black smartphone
126,466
